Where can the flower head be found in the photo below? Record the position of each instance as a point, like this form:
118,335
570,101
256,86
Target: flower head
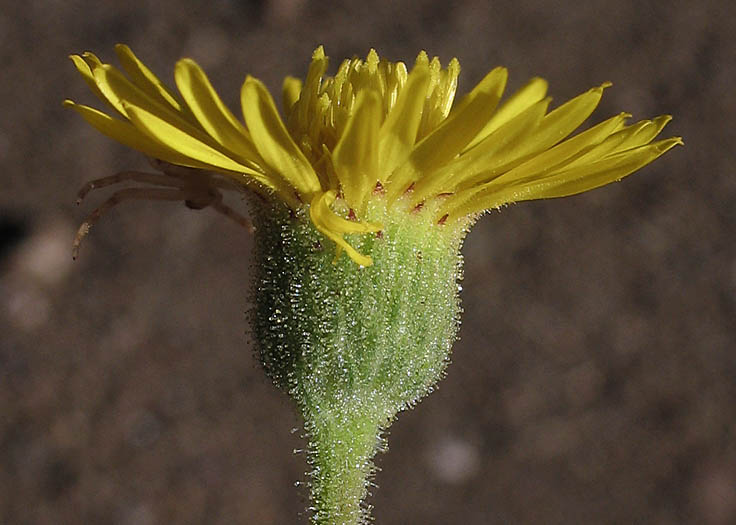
384,163
373,130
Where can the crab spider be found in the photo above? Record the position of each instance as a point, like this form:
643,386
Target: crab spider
197,188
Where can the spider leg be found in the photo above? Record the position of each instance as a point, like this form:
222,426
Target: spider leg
224,183
232,214
210,196
159,194
198,177
135,176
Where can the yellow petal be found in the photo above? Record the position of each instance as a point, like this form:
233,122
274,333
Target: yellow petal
92,61
310,93
496,153
627,138
422,59
456,205
118,90
290,91
399,130
534,91
610,169
562,121
329,169
272,140
144,78
440,95
175,138
211,112
553,128
356,154
448,87
563,183
644,135
440,146
510,136
125,133
616,142
86,72
659,123
334,226
121,94
553,157
394,77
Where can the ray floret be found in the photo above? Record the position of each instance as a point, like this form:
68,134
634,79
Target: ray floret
374,125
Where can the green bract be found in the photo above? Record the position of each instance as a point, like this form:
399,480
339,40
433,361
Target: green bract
353,346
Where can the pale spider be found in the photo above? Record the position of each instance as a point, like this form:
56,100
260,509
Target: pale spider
197,188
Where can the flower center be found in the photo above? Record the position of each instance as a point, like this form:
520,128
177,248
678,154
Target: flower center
317,111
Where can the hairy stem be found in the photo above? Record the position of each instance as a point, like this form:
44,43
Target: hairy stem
341,456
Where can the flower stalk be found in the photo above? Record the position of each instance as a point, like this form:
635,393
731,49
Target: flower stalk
341,454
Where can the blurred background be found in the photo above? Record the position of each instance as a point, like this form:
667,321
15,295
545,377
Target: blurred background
595,377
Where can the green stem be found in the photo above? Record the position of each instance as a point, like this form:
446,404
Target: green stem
341,456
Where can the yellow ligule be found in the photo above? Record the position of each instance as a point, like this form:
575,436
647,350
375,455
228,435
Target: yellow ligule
355,157
498,152
173,137
562,121
552,158
144,78
290,90
372,122
440,94
614,143
211,113
118,90
553,128
452,135
273,142
562,183
86,72
335,227
125,133
534,91
625,139
310,91
399,130
611,169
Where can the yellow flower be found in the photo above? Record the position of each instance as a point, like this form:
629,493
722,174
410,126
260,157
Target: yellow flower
373,130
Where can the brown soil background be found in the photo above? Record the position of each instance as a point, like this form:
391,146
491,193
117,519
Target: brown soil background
595,377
